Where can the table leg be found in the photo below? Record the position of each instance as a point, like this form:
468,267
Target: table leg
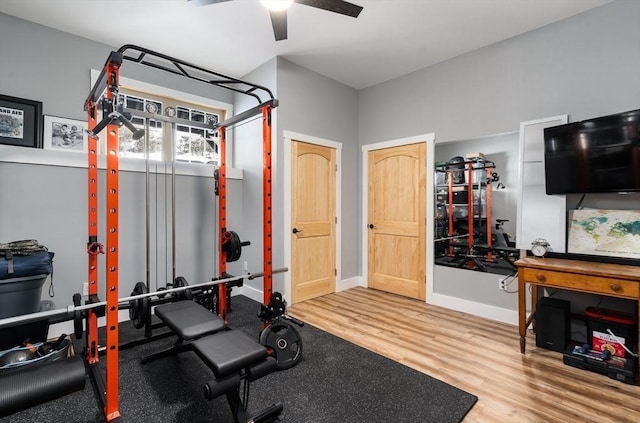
522,313
534,304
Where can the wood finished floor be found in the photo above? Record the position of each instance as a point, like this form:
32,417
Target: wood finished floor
477,355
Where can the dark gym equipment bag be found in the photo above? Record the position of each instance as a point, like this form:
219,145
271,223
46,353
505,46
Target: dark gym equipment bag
24,258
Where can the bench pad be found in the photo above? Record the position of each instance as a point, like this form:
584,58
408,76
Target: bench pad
189,319
229,352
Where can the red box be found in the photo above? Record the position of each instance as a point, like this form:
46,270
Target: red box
601,323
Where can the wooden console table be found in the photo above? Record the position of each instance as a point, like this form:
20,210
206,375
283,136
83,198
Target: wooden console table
614,280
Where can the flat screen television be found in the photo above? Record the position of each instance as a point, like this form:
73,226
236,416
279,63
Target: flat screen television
594,156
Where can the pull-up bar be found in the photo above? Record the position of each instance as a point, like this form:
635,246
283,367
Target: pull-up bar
179,67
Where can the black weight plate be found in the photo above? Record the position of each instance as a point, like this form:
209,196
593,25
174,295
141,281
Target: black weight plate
232,246
160,295
237,247
139,308
286,343
77,317
179,283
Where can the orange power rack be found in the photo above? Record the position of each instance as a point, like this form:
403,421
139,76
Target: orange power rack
104,93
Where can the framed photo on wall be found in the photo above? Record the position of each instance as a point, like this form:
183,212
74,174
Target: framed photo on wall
65,134
20,122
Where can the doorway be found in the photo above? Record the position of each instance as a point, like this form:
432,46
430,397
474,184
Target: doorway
312,216
395,214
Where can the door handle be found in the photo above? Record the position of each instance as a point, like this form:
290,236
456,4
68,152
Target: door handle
295,230
371,226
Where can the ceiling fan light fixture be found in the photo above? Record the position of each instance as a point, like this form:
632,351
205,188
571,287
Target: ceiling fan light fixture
276,5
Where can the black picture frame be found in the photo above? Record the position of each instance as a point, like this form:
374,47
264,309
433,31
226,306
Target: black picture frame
20,122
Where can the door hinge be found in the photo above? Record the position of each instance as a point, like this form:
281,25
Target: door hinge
336,219
336,167
335,272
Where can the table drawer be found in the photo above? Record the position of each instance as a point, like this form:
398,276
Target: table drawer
586,283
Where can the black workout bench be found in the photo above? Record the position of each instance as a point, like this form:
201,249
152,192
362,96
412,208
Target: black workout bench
230,354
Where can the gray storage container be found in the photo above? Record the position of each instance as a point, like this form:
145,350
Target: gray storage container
20,295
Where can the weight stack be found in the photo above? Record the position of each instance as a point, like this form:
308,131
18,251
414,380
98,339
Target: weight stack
553,324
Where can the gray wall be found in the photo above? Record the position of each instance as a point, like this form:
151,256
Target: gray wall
584,66
310,104
315,105
247,140
54,67
48,202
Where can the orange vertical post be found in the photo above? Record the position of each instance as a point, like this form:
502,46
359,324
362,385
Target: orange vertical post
450,209
93,247
469,168
266,206
222,219
111,395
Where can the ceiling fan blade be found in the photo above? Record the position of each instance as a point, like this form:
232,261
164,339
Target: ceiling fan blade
205,2
337,6
279,23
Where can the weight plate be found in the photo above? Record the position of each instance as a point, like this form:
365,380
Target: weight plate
179,283
139,309
232,246
77,317
286,343
160,294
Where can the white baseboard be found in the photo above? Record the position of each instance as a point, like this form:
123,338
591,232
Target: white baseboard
257,294
251,292
345,284
477,309
470,307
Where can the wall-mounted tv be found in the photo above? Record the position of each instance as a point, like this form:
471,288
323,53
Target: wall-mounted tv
594,156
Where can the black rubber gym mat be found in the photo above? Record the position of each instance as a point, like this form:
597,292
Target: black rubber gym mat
335,381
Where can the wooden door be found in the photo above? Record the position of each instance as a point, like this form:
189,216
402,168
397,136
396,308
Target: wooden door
396,220
313,221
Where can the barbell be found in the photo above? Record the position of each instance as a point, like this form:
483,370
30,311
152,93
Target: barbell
71,310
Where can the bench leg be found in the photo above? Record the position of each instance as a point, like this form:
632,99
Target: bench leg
268,415
178,347
239,408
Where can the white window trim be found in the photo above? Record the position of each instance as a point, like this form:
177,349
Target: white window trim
38,156
137,85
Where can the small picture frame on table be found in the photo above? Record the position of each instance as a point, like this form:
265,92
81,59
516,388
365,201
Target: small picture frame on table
20,122
65,134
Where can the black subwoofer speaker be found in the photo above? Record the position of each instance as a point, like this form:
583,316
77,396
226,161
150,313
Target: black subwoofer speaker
553,324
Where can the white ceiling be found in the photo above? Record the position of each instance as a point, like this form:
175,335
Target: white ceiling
390,38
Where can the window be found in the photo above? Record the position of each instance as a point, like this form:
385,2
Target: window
192,144
135,148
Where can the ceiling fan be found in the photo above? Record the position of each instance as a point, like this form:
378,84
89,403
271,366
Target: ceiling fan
278,10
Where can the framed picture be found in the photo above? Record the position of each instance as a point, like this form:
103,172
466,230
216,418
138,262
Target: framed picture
65,134
20,122
612,233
